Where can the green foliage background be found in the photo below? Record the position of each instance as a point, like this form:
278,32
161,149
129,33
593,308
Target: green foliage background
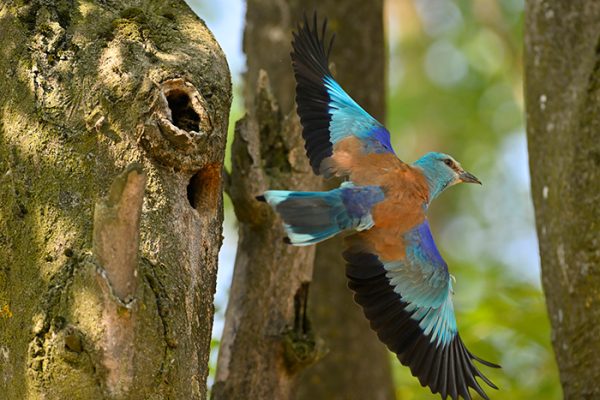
466,99
455,74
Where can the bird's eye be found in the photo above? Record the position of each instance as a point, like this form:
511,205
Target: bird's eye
448,162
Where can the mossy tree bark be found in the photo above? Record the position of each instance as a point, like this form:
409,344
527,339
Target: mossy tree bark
562,71
267,340
113,120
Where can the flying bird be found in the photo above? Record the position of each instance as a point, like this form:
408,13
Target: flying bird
393,266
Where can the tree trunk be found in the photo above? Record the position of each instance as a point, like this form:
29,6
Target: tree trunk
267,338
357,365
107,277
563,124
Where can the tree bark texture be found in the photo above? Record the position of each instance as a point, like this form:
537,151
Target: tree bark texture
357,365
562,70
269,275
113,121
266,338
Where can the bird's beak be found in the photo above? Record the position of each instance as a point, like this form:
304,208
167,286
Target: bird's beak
468,178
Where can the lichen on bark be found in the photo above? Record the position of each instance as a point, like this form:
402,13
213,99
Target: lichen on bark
87,84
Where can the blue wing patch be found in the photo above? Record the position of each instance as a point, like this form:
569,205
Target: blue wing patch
326,112
423,281
409,305
350,119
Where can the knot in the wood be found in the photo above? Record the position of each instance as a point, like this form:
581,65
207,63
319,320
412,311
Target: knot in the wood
301,350
178,125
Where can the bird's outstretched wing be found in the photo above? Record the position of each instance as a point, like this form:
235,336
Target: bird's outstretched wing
409,304
328,115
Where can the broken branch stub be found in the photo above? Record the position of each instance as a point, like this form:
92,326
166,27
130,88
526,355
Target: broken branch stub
267,153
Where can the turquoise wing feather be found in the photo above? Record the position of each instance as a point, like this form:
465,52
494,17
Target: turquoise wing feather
409,304
327,113
422,279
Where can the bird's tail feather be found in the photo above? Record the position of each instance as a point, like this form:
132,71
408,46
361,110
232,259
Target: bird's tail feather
309,217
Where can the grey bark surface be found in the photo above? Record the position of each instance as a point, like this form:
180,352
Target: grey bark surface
113,121
562,71
253,360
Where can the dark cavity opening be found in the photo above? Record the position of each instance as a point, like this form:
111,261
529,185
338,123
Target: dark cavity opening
204,189
184,116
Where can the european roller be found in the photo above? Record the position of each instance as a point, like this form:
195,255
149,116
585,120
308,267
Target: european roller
393,266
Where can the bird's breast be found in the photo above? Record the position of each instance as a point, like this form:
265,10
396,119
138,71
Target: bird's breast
400,211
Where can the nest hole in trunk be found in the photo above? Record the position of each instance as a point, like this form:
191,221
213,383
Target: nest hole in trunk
182,111
204,188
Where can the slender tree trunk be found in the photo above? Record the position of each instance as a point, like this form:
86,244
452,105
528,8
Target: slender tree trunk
357,365
267,338
563,126
113,120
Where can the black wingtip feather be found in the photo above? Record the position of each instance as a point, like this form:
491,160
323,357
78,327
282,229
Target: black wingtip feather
482,361
471,381
446,369
452,372
463,376
310,60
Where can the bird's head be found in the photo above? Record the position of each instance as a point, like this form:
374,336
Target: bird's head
442,171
